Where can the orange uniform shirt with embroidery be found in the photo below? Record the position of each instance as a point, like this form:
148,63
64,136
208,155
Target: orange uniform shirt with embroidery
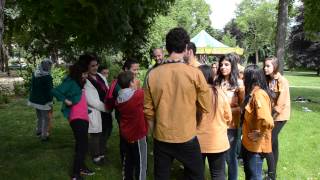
172,93
257,118
235,98
282,104
212,131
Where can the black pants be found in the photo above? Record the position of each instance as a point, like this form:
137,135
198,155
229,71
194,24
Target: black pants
187,153
98,141
272,160
217,164
135,160
80,132
271,166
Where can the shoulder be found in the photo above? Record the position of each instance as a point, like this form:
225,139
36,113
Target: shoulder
260,94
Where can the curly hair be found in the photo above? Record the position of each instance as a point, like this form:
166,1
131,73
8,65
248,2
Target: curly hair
177,40
233,81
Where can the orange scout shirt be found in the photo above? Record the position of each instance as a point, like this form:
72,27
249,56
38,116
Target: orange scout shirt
257,118
280,86
212,131
172,94
235,98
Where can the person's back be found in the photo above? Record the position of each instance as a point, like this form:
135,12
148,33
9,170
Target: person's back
176,87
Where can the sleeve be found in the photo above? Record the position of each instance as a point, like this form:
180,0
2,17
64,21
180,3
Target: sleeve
283,96
149,109
93,99
227,114
60,91
203,93
263,111
50,86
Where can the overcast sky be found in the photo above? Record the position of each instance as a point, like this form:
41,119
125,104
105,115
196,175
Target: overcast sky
222,12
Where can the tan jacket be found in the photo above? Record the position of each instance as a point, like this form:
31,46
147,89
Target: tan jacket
257,118
212,131
282,104
235,98
172,93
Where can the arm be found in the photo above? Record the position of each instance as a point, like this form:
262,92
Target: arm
203,93
227,114
149,111
61,91
263,111
93,99
283,96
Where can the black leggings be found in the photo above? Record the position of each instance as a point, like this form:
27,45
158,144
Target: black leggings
80,132
272,158
217,164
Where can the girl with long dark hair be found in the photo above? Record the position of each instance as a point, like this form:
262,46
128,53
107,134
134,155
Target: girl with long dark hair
212,130
257,122
233,88
75,109
281,103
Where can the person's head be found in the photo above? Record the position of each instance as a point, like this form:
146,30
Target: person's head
177,40
93,63
254,76
191,50
46,65
228,70
214,68
271,66
131,65
237,57
126,79
79,70
158,55
207,72
104,71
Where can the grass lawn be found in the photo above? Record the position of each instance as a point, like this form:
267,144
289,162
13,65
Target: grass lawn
23,156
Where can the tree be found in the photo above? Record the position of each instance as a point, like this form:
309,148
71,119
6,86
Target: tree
229,40
304,53
68,27
312,20
258,25
2,3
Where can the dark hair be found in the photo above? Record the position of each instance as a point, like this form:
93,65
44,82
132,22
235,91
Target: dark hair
207,72
102,67
254,76
192,46
81,66
275,64
233,81
128,63
124,79
177,40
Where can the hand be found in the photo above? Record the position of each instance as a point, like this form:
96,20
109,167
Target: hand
255,135
67,102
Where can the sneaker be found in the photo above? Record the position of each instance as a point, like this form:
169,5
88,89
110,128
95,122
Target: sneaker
98,160
87,172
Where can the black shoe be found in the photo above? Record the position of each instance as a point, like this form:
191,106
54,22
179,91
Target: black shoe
86,172
45,139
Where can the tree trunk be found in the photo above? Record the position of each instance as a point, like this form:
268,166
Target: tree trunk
318,71
257,57
2,3
281,32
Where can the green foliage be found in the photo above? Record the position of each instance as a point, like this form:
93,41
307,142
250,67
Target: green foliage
193,15
4,99
228,40
58,73
19,89
312,14
257,21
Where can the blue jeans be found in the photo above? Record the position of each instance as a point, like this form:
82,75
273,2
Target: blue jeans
232,155
252,164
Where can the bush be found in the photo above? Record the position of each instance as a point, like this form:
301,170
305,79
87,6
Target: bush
19,89
58,73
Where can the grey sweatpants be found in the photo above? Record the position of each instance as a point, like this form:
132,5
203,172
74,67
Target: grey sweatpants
43,122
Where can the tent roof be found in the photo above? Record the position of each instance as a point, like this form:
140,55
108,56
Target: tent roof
203,39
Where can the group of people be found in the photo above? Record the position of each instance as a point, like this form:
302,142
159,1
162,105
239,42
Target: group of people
195,112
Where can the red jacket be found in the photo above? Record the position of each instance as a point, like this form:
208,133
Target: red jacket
133,126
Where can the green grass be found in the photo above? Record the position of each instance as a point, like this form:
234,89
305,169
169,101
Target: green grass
23,156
